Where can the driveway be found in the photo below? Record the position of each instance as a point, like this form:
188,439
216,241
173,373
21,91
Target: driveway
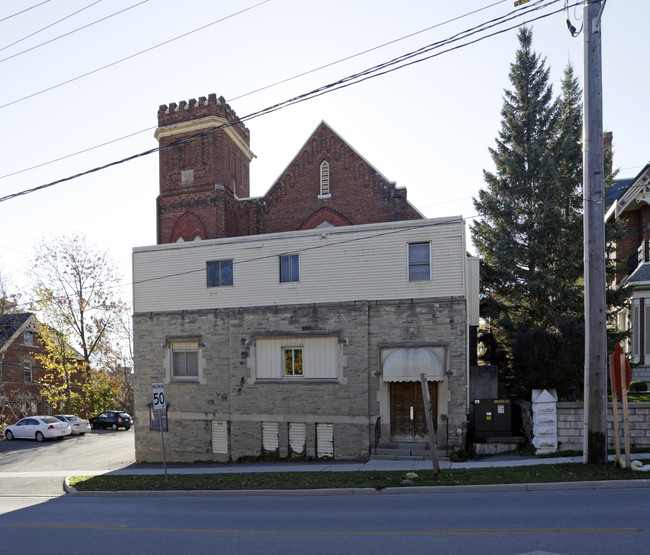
32,468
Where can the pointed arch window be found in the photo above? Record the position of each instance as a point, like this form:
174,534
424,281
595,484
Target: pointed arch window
324,178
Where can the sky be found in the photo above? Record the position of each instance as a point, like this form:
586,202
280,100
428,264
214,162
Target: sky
77,74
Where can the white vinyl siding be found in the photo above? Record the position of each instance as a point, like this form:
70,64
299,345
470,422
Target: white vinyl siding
319,357
347,263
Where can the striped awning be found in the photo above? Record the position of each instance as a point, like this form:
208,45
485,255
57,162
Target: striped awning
406,365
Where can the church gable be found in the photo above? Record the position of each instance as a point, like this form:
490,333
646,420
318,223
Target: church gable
328,176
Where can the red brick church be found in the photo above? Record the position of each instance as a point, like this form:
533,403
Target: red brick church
204,180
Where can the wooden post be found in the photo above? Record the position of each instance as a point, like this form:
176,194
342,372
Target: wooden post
612,379
594,243
626,425
432,433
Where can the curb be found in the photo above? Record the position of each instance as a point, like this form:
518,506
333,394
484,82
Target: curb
420,490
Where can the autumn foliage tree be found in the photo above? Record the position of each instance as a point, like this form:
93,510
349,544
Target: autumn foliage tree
76,289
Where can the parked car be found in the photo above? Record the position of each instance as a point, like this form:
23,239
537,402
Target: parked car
38,428
112,419
78,426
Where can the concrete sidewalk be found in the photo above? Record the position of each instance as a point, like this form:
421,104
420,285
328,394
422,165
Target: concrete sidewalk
498,461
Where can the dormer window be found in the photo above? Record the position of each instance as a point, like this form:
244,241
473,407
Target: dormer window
325,179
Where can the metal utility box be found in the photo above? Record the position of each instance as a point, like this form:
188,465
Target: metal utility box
492,418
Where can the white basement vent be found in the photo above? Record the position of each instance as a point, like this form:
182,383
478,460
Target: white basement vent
297,435
220,436
325,441
270,436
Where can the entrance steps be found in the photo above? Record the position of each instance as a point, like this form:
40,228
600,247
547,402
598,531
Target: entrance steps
404,451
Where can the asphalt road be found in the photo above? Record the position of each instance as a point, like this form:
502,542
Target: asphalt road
25,464
561,522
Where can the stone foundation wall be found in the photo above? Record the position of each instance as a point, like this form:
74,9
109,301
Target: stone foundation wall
229,391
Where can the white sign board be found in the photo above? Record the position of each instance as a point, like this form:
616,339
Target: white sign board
158,391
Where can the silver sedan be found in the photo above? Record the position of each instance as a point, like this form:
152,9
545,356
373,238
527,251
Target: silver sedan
78,426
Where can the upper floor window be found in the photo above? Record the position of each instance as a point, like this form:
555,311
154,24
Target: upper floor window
289,268
28,338
27,370
219,273
324,178
419,261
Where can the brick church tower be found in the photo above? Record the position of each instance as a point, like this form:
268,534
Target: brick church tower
204,169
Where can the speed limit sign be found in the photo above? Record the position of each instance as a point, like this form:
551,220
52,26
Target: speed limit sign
158,390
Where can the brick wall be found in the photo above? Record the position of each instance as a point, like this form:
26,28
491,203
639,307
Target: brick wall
206,180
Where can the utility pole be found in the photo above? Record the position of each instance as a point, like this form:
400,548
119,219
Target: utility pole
595,403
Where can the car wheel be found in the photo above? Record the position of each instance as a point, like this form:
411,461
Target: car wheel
9,435
39,436
114,426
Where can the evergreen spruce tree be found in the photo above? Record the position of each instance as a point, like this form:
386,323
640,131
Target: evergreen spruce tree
529,236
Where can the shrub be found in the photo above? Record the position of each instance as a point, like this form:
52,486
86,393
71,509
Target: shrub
638,386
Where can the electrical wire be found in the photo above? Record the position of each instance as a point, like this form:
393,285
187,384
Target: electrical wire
23,11
342,83
50,25
71,32
330,64
96,70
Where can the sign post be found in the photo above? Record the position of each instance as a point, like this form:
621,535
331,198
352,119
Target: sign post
432,433
160,405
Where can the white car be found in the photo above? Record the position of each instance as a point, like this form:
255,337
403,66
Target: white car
78,426
38,428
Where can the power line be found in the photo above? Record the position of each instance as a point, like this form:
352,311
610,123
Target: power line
71,32
341,83
356,55
50,25
330,64
23,11
96,70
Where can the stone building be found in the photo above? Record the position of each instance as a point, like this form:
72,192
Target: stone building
294,324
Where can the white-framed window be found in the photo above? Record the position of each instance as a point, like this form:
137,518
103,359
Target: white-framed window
297,358
219,273
419,261
27,370
292,361
324,178
289,268
28,338
636,331
184,359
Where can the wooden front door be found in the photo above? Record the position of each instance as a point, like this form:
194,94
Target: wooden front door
407,416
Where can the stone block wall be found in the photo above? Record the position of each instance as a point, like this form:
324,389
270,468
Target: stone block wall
229,391
570,427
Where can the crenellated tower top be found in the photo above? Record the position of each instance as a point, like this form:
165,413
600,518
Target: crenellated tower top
184,111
